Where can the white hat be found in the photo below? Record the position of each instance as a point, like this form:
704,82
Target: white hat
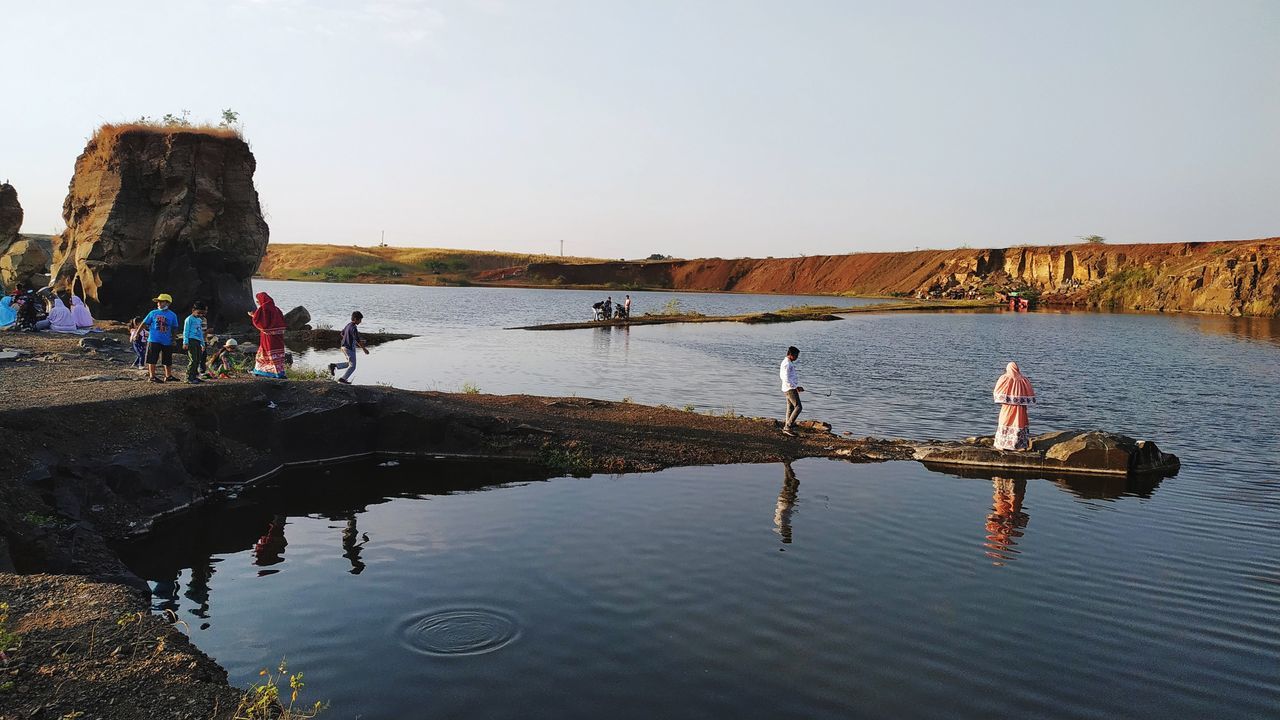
231,342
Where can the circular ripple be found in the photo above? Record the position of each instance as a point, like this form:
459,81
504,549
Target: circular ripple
458,631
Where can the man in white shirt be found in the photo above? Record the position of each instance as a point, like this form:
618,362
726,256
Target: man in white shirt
791,388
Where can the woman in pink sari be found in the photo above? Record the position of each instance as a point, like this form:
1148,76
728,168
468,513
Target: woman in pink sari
270,324
1014,393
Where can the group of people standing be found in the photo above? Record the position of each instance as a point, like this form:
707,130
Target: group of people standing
155,336
1013,392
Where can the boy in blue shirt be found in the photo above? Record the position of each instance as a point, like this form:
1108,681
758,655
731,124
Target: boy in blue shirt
161,324
193,342
351,341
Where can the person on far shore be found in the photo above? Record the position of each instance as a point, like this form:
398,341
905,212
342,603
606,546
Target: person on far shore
626,307
193,341
351,341
791,388
138,339
161,324
1013,392
270,324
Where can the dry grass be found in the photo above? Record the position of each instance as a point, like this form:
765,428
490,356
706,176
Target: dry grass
103,143
425,266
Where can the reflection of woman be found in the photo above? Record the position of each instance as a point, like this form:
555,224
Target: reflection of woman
270,324
1014,393
269,550
1006,520
786,503
350,546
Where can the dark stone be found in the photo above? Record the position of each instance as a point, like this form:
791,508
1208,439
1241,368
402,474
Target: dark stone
297,319
1076,451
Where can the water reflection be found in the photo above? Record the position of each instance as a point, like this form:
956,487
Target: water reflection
258,519
269,549
1007,520
350,547
786,503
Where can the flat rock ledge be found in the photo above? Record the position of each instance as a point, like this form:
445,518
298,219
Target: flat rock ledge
1082,452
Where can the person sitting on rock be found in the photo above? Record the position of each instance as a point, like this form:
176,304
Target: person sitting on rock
1013,392
80,313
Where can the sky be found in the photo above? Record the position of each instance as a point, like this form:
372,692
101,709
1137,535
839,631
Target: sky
695,128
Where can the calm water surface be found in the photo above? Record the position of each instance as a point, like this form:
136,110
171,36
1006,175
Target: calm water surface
825,590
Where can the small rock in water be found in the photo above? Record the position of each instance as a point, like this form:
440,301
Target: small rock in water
389,464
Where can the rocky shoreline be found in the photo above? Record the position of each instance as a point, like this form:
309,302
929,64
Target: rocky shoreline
94,462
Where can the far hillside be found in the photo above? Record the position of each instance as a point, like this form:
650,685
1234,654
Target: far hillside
413,266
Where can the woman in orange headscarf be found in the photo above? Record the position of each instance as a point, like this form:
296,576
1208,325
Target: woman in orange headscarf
1014,393
270,324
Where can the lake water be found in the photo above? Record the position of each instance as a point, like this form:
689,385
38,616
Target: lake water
823,590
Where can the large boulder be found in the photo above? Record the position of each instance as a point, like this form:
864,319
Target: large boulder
297,319
10,216
152,210
24,261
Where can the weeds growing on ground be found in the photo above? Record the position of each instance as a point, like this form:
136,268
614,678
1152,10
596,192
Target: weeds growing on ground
305,373
689,408
569,458
263,701
673,308
39,519
9,641
469,388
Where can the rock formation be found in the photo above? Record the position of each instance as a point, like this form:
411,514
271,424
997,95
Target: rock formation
297,319
153,210
22,259
1234,278
1073,452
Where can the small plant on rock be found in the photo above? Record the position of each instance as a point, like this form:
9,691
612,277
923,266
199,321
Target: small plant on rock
469,388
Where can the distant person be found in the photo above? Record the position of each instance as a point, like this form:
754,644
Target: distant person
597,310
608,307
80,313
351,341
8,313
626,307
1014,393
161,324
193,341
138,339
791,388
271,325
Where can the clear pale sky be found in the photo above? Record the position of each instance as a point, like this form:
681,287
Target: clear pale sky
693,128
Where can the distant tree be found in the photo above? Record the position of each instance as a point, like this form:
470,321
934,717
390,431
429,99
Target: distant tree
229,118
435,266
459,265
1093,239
659,256
172,120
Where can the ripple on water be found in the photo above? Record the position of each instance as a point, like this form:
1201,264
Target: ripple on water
458,631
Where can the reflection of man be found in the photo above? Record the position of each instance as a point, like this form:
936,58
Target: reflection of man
1006,520
351,548
786,503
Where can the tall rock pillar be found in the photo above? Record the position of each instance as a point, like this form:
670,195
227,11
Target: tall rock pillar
155,209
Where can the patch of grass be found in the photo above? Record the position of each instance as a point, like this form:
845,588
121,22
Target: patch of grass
305,373
571,458
627,399
9,641
469,388
39,519
263,701
689,408
349,273
1220,251
673,308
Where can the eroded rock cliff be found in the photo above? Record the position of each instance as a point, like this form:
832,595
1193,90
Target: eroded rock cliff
1236,278
153,210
